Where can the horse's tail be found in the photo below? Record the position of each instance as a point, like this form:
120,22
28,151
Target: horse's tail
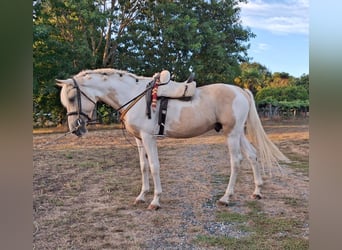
268,153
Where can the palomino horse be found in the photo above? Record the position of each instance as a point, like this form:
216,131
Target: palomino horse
216,106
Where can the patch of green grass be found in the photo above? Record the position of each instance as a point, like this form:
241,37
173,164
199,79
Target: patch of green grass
88,164
254,242
266,232
295,243
56,201
293,202
299,162
69,155
268,226
254,206
231,217
220,178
220,241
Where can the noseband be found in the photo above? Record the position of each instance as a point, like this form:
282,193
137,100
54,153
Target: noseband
79,111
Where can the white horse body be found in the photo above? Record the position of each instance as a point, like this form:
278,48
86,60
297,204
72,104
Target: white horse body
212,106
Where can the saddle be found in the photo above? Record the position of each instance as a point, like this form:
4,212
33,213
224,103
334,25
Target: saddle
162,89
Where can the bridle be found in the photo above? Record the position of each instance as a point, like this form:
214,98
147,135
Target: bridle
79,122
79,111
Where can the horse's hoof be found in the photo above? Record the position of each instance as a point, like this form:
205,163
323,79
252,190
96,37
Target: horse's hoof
223,203
256,197
153,207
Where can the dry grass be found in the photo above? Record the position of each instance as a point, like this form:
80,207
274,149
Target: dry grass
84,190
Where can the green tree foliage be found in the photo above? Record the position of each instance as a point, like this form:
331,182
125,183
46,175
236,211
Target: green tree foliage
289,93
203,36
223,44
65,40
280,79
303,80
278,92
286,99
140,36
254,77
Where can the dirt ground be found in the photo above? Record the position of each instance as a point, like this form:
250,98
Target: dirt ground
84,188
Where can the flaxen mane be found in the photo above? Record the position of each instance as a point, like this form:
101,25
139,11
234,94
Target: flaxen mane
108,72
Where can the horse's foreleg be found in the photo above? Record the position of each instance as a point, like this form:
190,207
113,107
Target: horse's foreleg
235,159
251,155
150,146
144,172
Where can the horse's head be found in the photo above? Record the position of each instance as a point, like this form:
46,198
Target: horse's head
79,105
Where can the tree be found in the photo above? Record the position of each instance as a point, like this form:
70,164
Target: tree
65,40
253,77
303,80
224,41
140,36
120,15
285,99
280,79
289,93
202,36
162,37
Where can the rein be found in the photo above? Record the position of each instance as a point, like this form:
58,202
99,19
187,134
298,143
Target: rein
134,100
59,137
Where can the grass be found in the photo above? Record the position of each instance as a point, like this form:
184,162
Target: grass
293,202
55,201
266,232
300,165
68,155
230,217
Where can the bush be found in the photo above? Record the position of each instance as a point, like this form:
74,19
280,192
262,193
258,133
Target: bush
282,101
290,93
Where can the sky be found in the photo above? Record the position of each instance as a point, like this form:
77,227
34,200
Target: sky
282,34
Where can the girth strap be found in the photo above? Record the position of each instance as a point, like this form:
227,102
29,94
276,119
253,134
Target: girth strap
162,114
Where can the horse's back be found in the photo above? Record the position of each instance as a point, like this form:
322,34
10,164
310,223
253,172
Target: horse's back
211,105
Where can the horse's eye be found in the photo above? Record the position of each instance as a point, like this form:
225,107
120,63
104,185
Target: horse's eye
71,98
71,94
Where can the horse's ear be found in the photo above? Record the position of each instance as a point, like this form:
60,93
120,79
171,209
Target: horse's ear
61,83
191,77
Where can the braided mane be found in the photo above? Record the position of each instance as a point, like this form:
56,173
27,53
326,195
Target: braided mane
109,72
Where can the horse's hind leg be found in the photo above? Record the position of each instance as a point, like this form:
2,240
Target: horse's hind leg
235,160
144,172
250,153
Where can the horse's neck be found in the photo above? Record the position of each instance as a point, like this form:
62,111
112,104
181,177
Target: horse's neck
117,92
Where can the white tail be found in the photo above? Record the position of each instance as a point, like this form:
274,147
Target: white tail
268,153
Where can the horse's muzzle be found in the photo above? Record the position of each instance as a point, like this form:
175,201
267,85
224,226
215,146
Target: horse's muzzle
77,132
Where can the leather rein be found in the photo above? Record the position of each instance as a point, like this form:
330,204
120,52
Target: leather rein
133,101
